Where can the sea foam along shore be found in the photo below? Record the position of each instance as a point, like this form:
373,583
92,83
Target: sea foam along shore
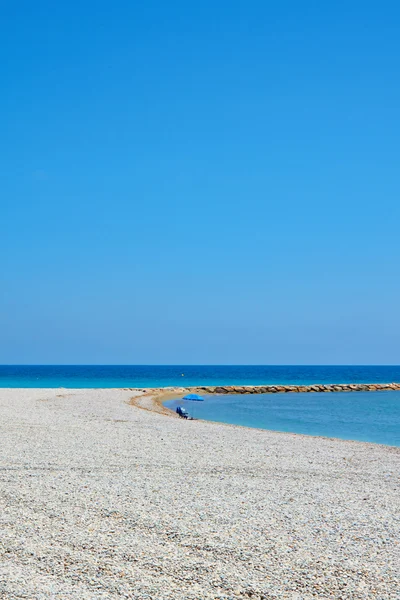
101,500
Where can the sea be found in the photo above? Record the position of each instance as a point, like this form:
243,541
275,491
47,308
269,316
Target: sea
152,376
363,416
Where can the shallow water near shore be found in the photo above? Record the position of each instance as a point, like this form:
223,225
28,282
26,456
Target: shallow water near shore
154,376
361,416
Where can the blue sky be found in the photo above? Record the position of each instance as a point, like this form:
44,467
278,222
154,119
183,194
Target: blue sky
212,182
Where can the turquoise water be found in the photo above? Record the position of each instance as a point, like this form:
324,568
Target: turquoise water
362,416
108,376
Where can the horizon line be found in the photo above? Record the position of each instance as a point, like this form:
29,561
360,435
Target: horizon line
196,365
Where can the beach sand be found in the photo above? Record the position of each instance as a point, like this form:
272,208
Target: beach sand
102,499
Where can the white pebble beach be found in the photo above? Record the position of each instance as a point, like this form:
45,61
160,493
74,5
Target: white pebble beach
100,499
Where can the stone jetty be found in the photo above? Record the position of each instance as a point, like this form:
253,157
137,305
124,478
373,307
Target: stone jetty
280,389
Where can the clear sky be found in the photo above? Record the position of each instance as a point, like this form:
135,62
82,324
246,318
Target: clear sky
200,182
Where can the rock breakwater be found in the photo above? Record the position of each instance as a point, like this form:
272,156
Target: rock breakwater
280,389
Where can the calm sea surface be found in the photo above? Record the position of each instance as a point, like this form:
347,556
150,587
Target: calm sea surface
362,416
158,376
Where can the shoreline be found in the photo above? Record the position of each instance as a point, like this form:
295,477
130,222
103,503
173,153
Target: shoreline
154,402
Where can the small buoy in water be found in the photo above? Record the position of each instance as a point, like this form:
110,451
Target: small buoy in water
183,375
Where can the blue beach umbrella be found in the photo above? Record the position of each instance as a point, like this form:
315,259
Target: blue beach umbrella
193,398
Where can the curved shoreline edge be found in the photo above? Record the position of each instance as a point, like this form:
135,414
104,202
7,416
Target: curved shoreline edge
152,399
